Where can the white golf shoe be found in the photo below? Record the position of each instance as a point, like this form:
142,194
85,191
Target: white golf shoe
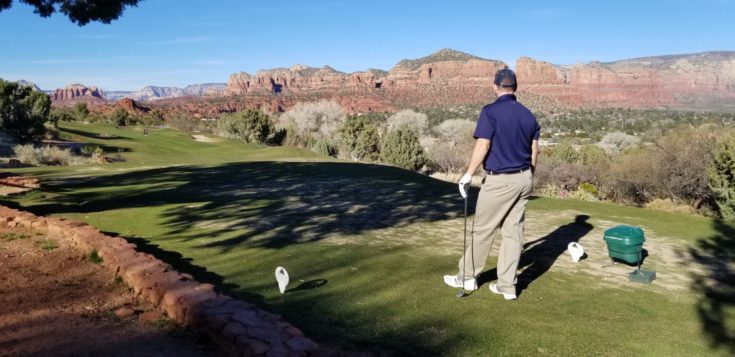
455,282
494,289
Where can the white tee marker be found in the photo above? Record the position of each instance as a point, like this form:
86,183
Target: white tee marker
281,278
575,250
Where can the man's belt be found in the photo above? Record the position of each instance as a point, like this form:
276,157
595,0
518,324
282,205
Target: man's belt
490,172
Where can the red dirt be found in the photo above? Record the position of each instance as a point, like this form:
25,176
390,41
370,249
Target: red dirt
58,302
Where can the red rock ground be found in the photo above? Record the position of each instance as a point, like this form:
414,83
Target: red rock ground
58,302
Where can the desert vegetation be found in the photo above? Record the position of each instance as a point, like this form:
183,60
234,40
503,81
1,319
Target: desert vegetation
366,246
656,158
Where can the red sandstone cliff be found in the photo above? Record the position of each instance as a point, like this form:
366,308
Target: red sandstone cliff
445,77
684,80
77,92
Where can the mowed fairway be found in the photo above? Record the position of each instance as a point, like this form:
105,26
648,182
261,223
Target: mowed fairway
366,247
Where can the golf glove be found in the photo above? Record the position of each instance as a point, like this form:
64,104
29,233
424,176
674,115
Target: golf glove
463,183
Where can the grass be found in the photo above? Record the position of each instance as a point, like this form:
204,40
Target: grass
11,236
94,257
47,244
366,246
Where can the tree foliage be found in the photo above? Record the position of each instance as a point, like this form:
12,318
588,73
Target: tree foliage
120,117
722,178
251,125
680,161
401,148
449,154
79,12
359,138
311,120
23,111
408,118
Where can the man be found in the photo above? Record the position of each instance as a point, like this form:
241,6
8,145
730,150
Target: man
507,146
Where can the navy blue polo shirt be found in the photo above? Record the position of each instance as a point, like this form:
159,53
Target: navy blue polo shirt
510,127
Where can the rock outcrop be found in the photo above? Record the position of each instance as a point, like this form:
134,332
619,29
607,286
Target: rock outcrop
203,89
132,106
453,77
154,93
446,76
77,92
29,84
683,80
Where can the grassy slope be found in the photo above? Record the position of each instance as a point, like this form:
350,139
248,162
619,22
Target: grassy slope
228,215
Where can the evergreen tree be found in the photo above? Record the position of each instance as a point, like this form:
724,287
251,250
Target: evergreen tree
722,178
359,137
23,111
251,125
401,148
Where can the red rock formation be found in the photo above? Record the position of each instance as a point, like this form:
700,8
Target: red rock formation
131,105
637,83
446,77
78,92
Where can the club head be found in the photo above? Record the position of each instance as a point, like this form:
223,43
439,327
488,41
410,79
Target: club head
460,293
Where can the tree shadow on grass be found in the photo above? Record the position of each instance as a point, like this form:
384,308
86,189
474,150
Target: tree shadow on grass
92,135
273,205
184,265
715,288
267,204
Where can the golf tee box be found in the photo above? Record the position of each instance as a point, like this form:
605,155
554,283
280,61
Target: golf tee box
641,275
625,243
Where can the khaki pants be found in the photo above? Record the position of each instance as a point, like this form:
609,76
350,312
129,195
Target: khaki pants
501,205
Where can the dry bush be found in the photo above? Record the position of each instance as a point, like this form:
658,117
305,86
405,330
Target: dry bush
47,155
318,119
451,151
669,205
617,142
417,122
631,178
681,161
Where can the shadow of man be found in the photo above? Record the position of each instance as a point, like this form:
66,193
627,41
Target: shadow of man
538,256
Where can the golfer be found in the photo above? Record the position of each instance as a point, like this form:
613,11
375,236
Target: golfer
507,146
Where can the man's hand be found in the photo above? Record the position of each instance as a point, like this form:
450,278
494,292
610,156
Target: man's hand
464,182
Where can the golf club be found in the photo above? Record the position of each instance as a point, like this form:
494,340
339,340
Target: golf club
461,292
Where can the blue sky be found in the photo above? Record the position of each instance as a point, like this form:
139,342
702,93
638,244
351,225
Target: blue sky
181,42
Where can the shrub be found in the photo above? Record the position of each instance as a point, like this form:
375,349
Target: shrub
251,126
592,155
417,122
588,188
89,149
80,112
565,152
681,160
313,119
618,142
359,138
722,178
47,155
449,154
323,147
23,111
631,179
401,148
669,205
119,117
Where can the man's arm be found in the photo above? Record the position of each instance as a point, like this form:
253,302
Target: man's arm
478,155
534,155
